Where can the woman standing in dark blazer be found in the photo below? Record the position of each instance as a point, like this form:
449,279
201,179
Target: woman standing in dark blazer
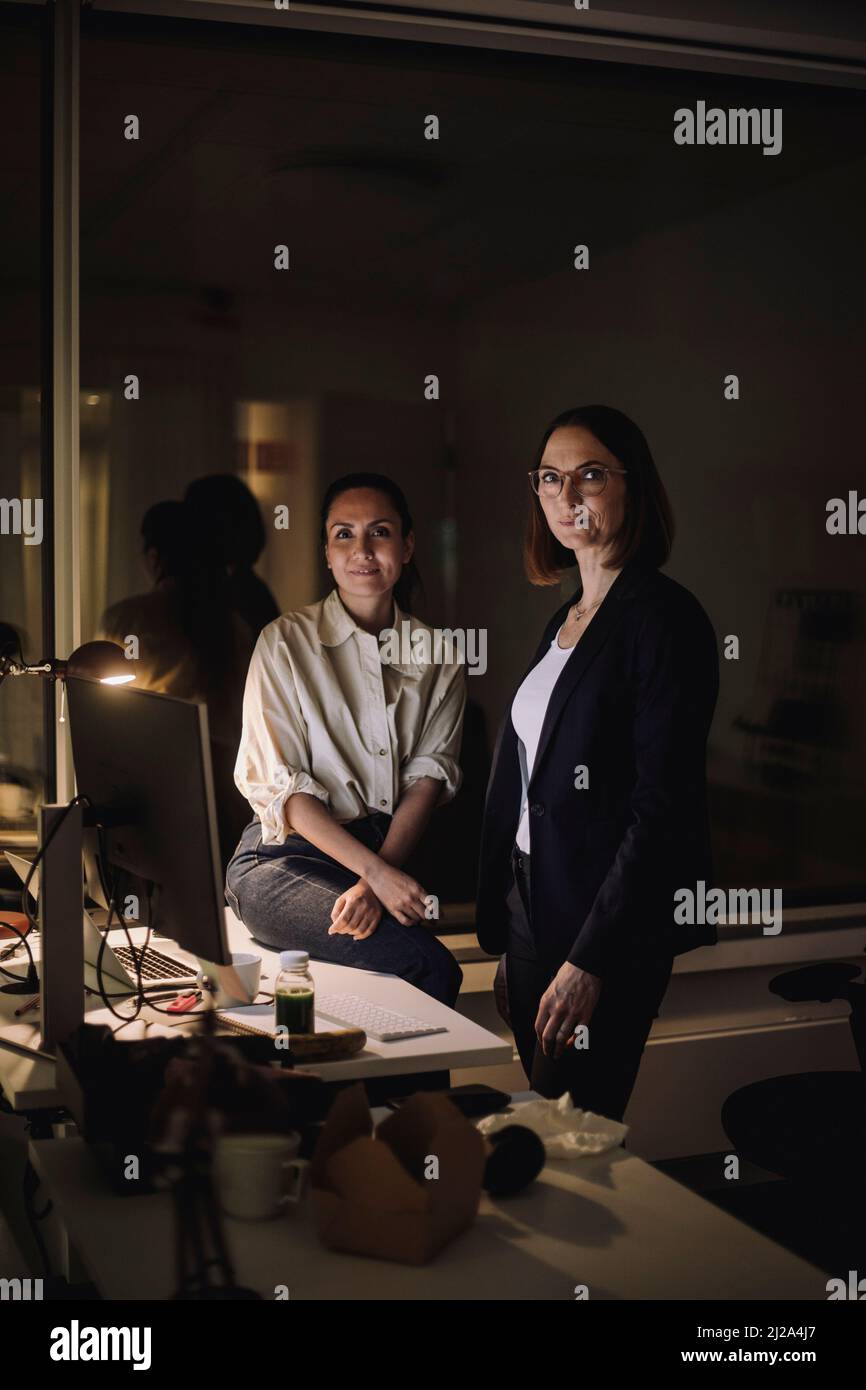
596,807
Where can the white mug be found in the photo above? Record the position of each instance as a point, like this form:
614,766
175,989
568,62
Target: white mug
236,984
258,1175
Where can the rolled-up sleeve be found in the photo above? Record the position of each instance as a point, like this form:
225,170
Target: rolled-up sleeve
437,750
273,761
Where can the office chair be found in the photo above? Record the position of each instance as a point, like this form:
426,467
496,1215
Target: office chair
808,1124
810,1127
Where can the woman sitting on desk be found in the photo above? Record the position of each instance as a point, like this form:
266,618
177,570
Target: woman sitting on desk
344,755
598,778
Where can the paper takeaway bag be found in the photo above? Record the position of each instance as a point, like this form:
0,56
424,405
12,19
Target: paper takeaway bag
370,1194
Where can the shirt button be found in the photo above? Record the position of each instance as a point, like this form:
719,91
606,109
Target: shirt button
383,803
537,809
382,752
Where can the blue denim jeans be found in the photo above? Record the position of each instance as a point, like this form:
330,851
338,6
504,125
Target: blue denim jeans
284,894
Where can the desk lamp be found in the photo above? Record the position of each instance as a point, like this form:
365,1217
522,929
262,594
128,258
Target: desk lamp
101,661
96,661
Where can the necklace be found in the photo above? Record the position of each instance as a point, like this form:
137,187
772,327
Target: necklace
579,612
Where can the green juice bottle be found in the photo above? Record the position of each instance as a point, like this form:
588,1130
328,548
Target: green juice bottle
295,994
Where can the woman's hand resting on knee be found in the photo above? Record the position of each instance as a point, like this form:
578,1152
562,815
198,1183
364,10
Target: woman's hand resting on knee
356,912
404,898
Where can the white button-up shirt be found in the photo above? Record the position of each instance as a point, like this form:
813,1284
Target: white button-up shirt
324,715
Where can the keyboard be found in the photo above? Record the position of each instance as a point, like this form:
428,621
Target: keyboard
354,1012
154,965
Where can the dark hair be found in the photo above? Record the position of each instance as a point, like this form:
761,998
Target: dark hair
647,531
200,595
224,505
162,530
410,580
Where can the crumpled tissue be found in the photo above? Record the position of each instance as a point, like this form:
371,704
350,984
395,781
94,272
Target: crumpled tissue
567,1132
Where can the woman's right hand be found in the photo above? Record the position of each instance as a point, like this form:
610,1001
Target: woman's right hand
356,912
404,898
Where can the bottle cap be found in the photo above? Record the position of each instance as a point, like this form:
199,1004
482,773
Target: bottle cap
292,960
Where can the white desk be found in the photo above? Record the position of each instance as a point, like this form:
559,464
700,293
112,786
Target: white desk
29,1083
611,1222
464,1045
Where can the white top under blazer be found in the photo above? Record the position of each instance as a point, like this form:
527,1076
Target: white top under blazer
527,715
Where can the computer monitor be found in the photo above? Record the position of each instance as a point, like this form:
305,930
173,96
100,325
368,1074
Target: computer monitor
143,761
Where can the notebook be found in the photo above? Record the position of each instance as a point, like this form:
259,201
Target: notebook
258,1019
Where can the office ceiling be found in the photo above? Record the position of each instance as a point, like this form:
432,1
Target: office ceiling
318,142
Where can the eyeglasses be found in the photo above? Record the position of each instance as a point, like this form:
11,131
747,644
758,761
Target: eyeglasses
589,480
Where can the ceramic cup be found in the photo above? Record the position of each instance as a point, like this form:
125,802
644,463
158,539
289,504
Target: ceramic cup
238,983
259,1175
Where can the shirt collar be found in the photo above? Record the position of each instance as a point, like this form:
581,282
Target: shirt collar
336,625
336,622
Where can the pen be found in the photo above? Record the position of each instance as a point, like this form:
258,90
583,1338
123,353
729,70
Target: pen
25,1008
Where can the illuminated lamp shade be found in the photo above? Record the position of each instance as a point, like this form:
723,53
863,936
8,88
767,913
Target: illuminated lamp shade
98,661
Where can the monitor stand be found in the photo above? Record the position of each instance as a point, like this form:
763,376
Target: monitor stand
61,904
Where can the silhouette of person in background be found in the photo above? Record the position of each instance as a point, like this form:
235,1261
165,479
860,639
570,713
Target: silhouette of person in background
227,512
192,642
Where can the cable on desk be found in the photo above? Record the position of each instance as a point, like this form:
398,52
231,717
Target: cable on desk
31,964
111,898
137,953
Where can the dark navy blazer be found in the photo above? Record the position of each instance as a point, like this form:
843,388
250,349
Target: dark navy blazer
633,704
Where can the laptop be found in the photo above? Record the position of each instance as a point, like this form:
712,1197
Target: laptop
159,970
